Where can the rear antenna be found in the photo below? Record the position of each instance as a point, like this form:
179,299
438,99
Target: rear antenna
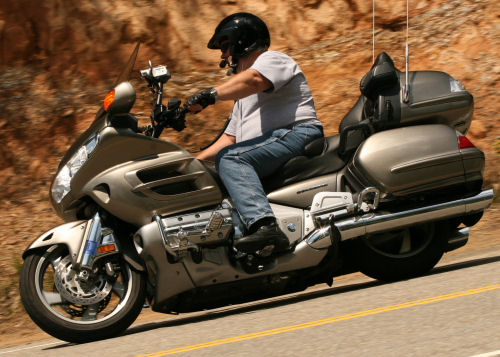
373,33
406,94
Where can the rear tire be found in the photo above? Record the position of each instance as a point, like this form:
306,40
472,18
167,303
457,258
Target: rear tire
113,309
402,254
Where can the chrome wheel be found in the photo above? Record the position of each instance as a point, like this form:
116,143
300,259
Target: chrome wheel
401,254
402,243
79,308
60,290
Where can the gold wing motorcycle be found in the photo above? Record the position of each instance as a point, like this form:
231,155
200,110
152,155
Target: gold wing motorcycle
146,221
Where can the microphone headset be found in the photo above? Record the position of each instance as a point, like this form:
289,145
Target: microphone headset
232,67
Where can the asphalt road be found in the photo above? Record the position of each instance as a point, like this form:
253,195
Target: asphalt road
453,311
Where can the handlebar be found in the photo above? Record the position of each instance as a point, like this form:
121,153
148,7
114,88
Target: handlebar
173,115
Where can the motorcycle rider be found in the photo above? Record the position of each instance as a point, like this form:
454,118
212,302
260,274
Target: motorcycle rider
272,120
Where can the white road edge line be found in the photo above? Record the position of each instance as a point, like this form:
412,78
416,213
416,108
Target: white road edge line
488,354
30,347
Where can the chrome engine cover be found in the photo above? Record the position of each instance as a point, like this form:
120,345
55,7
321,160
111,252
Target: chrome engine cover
189,231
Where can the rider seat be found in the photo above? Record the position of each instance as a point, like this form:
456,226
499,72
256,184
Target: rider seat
321,158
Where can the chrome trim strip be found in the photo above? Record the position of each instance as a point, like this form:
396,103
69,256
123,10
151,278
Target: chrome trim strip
312,188
373,223
426,162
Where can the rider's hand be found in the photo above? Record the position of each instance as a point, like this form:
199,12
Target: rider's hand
199,101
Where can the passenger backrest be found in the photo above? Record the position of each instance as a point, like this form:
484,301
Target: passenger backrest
381,76
378,103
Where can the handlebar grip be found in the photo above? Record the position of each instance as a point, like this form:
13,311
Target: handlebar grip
173,103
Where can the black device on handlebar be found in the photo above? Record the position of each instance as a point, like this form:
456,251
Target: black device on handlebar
158,74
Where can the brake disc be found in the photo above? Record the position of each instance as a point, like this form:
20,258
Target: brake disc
75,291
79,310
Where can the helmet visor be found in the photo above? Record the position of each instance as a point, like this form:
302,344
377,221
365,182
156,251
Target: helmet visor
223,35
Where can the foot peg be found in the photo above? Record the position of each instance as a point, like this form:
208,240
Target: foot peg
268,238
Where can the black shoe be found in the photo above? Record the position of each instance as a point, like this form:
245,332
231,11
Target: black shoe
265,237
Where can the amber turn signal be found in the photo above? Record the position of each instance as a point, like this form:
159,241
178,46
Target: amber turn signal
106,248
109,99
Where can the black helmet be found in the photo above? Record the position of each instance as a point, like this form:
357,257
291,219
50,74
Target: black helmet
243,31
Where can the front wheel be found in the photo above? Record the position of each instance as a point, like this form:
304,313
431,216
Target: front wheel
402,254
76,310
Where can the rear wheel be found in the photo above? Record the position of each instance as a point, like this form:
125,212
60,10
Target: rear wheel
402,254
77,310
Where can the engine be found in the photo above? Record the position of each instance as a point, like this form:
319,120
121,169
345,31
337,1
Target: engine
205,228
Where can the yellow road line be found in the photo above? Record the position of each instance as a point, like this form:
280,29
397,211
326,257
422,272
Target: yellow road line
323,321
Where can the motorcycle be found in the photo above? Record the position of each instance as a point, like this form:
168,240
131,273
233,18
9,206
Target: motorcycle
146,221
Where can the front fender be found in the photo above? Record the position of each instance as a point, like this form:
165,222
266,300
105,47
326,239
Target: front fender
69,234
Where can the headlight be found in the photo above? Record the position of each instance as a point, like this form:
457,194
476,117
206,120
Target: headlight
61,185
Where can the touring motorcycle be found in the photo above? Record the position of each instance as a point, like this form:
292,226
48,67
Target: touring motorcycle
147,223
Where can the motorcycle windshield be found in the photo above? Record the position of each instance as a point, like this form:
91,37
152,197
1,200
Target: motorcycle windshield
129,67
124,76
100,117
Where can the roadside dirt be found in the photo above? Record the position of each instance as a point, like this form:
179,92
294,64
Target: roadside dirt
58,58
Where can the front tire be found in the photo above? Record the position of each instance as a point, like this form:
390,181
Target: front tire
64,308
402,254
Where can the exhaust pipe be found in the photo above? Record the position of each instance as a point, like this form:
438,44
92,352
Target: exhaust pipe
458,239
385,221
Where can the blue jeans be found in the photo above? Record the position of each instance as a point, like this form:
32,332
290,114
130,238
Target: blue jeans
242,165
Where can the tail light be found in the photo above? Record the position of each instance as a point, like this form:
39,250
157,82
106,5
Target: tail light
464,143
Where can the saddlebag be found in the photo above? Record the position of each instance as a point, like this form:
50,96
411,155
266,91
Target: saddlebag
417,159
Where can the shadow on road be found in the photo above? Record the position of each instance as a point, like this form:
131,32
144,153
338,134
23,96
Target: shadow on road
254,306
463,265
307,295
283,300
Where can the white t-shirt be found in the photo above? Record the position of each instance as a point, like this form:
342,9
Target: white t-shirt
289,101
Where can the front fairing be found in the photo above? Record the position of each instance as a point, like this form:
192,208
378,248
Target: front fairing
132,176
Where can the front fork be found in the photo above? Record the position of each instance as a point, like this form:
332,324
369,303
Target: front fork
98,242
